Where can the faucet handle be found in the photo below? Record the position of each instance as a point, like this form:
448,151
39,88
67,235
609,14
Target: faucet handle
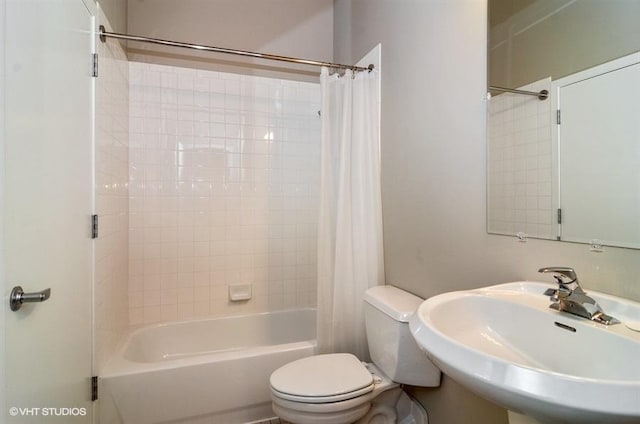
560,273
566,278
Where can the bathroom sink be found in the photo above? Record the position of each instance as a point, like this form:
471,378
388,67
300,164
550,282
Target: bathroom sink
504,343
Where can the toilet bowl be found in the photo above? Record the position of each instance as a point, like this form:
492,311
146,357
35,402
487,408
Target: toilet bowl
338,388
329,389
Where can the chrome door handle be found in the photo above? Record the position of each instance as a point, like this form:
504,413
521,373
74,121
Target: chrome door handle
18,297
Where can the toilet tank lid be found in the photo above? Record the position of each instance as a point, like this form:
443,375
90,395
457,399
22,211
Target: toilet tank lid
395,302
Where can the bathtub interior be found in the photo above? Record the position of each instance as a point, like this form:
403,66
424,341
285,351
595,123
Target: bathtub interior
218,373
186,339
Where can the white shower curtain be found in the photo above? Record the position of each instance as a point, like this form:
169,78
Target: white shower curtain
350,255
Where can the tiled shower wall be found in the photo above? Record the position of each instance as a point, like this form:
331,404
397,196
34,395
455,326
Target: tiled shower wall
520,164
112,198
224,183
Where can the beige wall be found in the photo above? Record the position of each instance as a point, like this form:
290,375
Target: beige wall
433,166
116,13
298,28
432,154
559,37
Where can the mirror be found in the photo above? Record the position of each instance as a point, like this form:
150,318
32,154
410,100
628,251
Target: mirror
532,189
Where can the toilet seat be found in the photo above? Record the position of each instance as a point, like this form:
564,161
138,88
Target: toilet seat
326,389
321,379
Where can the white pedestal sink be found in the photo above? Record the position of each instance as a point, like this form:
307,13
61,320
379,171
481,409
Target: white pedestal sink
504,343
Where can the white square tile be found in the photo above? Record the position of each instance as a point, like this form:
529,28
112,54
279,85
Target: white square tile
218,206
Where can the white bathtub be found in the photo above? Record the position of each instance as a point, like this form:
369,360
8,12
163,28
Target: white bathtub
205,371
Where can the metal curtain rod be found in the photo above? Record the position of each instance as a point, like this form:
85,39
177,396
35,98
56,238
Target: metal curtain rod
541,95
104,34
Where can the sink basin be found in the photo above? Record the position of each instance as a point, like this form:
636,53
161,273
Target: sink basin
505,344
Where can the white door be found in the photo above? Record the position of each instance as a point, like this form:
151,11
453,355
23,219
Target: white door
46,213
599,126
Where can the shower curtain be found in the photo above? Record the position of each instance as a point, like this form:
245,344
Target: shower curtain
350,255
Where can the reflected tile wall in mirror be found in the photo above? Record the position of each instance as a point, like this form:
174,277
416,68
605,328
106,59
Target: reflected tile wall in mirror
520,192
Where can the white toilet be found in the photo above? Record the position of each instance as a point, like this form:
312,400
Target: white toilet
339,389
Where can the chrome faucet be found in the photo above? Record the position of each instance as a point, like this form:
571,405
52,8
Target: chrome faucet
569,297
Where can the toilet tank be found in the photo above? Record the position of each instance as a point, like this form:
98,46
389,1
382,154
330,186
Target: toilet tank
391,345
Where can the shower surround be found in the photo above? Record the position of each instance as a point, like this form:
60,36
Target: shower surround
224,185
